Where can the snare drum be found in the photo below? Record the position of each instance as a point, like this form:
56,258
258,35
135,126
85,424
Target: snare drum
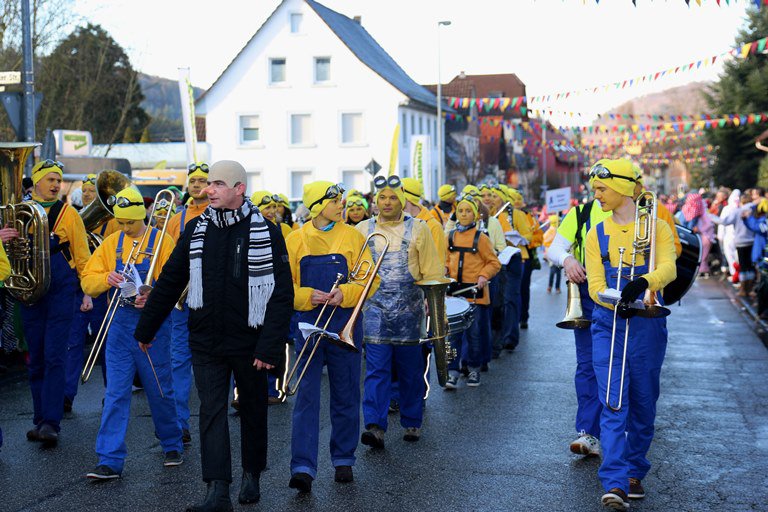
460,314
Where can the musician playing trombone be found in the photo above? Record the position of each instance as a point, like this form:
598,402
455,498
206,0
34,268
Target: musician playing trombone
626,426
319,252
116,263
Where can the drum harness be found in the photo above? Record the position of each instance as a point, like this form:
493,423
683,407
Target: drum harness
462,251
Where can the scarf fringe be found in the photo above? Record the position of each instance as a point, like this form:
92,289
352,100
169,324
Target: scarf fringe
258,297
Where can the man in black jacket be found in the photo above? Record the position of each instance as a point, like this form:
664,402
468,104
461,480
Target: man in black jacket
241,301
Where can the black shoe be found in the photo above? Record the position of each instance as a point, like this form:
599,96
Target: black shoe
523,325
34,434
344,474
48,435
510,347
173,458
249,489
186,437
373,437
484,367
217,499
394,406
67,404
102,472
301,481
464,370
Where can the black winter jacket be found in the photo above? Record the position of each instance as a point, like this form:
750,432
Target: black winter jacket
220,327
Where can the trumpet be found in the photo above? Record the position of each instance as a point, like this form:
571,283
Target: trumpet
126,295
362,270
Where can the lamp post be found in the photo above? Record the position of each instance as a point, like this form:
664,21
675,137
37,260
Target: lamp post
440,177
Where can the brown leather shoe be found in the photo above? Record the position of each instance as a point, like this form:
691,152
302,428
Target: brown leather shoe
373,437
615,499
636,491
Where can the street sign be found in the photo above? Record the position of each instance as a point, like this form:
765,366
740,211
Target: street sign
73,143
373,167
12,102
558,199
10,77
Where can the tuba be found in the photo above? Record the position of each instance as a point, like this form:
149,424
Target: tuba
108,183
29,254
434,291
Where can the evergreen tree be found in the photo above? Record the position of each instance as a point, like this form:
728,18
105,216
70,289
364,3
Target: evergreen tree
742,89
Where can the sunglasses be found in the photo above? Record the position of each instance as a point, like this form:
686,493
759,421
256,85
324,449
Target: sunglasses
332,192
602,172
123,202
48,163
383,182
163,204
193,167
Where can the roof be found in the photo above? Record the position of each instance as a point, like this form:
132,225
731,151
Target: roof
365,48
507,85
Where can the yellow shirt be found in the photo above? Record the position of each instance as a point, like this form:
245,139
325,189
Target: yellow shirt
94,280
437,231
341,239
70,228
423,262
174,223
520,224
109,227
622,236
5,264
285,229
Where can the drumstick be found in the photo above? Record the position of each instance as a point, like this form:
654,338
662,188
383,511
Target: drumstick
465,290
155,374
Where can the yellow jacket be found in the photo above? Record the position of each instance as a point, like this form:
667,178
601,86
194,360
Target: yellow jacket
622,236
5,264
423,262
285,229
70,228
309,241
94,280
440,216
436,229
483,263
109,227
174,223
520,224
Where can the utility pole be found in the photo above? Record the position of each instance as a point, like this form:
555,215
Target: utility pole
544,158
440,177
28,80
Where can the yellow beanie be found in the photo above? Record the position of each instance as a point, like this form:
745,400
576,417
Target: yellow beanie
135,209
44,167
162,206
284,200
468,200
471,189
90,180
499,191
619,167
398,192
313,196
198,172
446,192
413,189
515,196
259,196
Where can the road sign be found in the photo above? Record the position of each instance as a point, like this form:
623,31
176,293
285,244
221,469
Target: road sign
373,167
558,199
10,77
12,101
73,143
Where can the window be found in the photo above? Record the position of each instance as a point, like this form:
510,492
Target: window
495,94
356,180
352,128
254,182
421,125
322,69
413,126
276,71
405,128
298,180
249,130
301,129
296,22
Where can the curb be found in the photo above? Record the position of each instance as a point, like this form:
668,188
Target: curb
759,325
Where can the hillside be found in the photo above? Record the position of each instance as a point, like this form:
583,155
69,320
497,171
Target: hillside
686,99
163,104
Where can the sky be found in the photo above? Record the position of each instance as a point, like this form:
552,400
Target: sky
552,45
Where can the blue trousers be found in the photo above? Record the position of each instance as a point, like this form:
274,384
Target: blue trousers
344,386
474,339
77,336
588,407
511,275
378,374
46,326
525,287
124,359
181,364
626,435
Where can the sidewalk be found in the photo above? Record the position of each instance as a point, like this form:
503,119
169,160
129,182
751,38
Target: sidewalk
748,310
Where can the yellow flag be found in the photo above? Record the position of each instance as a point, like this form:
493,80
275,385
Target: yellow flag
393,151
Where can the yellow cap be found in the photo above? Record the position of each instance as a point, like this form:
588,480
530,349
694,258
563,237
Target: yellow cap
45,167
470,189
515,197
413,189
314,196
468,200
624,184
446,192
134,210
284,200
398,192
258,198
161,207
200,170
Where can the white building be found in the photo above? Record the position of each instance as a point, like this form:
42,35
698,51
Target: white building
312,96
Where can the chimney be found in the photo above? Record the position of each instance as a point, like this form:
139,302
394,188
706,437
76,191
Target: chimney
358,20
462,75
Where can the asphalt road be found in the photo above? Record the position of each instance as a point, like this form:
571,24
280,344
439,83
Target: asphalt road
502,446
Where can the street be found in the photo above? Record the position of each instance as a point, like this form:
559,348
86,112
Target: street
501,446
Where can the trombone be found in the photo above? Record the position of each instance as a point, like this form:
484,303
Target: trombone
120,297
362,270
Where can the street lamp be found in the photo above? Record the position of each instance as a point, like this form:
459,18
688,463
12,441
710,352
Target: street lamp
440,177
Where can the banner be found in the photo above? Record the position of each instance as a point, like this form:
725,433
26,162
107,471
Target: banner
558,200
188,114
393,153
421,162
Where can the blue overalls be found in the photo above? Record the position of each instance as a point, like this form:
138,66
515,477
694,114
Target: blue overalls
124,359
44,322
392,318
319,272
626,435
511,281
181,355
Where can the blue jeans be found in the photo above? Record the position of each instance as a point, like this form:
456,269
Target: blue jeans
555,274
378,379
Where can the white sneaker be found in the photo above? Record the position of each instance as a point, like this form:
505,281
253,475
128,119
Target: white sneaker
452,382
586,444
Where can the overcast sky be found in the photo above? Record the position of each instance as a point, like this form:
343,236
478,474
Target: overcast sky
552,45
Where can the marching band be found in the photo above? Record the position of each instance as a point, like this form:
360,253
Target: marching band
215,289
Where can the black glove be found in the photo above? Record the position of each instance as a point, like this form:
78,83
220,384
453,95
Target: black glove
633,290
624,311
